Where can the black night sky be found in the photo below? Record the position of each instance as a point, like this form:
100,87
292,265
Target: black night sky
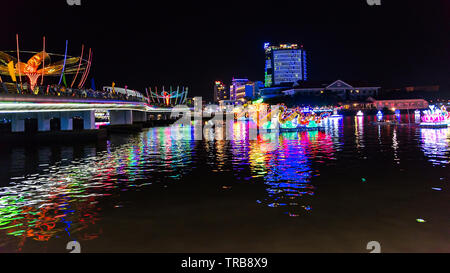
148,43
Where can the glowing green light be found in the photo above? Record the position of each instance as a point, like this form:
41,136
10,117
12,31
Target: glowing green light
312,124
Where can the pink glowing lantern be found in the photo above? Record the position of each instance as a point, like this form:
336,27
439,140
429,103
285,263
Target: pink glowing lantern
434,115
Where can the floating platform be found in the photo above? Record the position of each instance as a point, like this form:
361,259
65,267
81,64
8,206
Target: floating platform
298,129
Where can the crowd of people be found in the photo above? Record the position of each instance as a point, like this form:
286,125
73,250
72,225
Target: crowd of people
57,91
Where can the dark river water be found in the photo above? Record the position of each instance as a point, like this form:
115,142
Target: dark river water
319,191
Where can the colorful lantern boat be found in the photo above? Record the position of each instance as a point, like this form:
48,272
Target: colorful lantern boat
435,117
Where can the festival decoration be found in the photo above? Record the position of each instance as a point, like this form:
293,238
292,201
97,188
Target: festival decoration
64,65
11,71
172,97
40,64
436,116
379,116
335,114
297,119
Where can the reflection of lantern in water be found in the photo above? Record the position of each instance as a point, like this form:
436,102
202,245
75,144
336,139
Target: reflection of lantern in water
436,116
435,143
287,170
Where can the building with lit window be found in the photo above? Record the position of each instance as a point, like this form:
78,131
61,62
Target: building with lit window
237,89
401,104
220,91
284,64
243,89
340,89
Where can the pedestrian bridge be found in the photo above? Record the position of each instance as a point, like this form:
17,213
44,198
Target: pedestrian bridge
17,108
30,103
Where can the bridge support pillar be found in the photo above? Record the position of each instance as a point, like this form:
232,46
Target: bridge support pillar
43,122
89,120
17,123
139,116
121,117
66,122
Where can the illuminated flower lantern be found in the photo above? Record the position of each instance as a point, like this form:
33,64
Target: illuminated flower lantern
296,119
436,117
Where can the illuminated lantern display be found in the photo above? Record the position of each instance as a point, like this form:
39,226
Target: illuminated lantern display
173,97
297,119
40,65
335,114
379,116
435,117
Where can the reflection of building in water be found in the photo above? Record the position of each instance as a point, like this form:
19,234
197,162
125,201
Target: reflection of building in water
435,145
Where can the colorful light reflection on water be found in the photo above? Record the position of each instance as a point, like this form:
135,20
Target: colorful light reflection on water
435,145
67,197
287,170
61,199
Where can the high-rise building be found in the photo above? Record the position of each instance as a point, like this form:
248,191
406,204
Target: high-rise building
220,91
285,64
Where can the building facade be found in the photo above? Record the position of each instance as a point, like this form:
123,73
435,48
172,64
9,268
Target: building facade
237,89
403,104
243,89
338,88
220,91
284,64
